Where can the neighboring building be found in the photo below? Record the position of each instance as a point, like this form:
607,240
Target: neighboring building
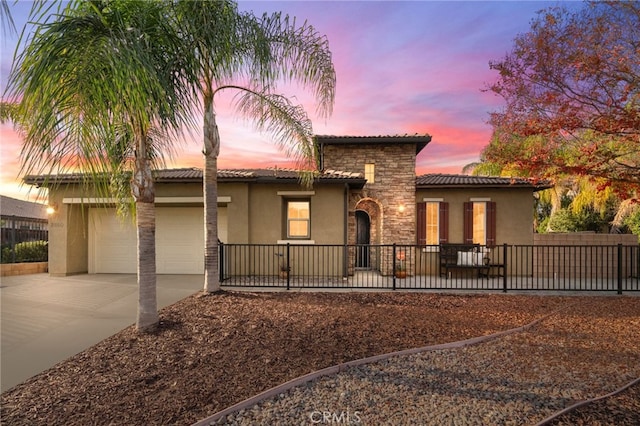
22,221
366,192
20,208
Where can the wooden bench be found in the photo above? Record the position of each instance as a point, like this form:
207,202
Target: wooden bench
462,256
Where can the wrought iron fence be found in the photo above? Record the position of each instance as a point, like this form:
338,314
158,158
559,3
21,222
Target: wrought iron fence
397,267
23,239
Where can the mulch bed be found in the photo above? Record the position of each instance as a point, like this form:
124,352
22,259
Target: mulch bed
212,351
618,410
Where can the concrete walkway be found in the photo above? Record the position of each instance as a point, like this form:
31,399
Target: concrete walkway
45,320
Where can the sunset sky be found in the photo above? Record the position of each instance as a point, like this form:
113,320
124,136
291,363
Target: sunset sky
402,68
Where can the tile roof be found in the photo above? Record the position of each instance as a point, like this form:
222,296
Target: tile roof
194,174
406,137
420,140
252,174
439,180
20,208
280,175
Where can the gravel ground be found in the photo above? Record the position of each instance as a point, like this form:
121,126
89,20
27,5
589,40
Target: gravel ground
213,351
517,379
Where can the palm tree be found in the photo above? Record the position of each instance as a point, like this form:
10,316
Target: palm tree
240,52
5,17
101,89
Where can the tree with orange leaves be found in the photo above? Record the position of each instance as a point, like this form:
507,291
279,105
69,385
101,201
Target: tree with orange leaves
572,91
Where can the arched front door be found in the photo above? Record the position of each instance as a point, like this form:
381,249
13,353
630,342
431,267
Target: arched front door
363,239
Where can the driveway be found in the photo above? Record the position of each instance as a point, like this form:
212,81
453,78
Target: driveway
45,320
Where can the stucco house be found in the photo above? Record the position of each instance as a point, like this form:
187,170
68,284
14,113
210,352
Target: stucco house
366,192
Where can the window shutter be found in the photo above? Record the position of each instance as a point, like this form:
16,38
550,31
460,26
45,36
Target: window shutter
444,223
491,224
422,224
468,223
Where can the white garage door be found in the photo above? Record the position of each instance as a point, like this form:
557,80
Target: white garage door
179,241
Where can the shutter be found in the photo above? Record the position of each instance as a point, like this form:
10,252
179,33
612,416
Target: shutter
468,223
491,224
422,224
444,223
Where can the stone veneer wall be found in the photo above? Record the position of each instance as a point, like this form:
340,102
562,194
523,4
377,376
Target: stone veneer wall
394,186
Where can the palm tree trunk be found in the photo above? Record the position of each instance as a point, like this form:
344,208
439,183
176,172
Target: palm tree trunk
143,190
147,304
210,191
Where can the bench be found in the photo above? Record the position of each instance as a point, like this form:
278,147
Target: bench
463,256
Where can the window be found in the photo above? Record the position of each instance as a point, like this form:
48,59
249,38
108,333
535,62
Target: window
480,223
370,173
433,222
298,219
432,212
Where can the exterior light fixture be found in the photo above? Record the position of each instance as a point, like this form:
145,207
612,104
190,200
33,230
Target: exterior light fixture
401,208
51,209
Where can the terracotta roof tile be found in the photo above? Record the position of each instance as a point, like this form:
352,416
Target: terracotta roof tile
194,174
451,180
276,173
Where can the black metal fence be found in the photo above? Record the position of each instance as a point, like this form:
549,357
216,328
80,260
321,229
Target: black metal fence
23,239
396,267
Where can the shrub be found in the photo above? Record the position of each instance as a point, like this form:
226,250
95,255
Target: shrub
563,221
6,255
31,251
633,222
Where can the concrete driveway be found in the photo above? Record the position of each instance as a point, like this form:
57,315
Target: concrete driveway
45,320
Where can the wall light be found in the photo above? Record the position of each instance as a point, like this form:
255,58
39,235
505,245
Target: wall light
51,209
401,208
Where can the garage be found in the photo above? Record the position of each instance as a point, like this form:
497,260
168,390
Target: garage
179,240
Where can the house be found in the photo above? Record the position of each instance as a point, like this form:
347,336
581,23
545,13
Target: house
365,192
23,237
22,221
19,208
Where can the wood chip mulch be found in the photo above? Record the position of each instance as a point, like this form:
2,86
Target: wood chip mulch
212,351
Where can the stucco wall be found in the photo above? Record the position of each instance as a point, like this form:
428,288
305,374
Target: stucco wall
514,212
237,211
68,233
514,218
266,213
255,215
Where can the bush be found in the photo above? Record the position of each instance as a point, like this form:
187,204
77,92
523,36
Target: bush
29,251
633,222
6,256
563,221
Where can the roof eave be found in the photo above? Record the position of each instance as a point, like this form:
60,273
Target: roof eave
421,141
534,188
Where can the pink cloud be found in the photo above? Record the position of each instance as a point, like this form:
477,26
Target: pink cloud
402,67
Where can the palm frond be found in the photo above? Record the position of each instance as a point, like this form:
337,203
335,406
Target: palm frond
301,54
288,123
8,112
6,20
94,82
